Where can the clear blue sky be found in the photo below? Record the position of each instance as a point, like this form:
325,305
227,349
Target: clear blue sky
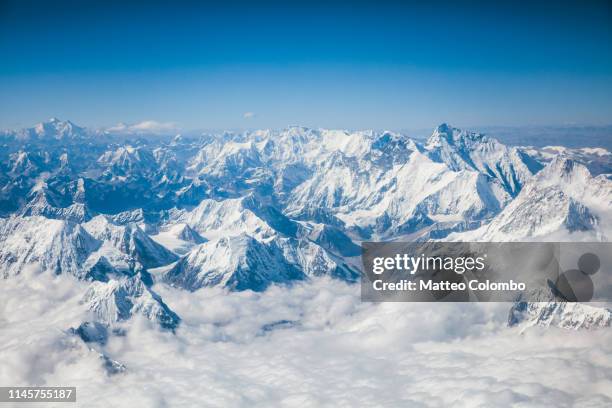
357,65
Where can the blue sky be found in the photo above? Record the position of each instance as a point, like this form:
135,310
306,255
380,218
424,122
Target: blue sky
352,65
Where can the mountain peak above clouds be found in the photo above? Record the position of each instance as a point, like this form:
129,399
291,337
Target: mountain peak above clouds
549,312
566,169
452,135
246,210
119,299
58,129
239,262
561,199
464,150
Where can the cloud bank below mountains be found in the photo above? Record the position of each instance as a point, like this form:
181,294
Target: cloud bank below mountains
314,344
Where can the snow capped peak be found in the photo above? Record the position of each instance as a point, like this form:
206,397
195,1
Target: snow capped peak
130,240
56,245
566,169
547,312
242,262
236,216
21,163
58,129
119,299
445,133
562,164
239,262
575,180
462,150
448,137
121,155
562,198
126,160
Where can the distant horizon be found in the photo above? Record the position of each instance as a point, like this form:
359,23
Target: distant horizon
172,127
569,135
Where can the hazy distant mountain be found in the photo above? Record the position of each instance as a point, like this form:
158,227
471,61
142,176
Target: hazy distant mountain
572,136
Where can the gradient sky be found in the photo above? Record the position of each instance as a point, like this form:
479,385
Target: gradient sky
351,65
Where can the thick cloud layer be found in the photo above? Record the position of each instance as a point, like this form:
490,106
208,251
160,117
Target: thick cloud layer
314,344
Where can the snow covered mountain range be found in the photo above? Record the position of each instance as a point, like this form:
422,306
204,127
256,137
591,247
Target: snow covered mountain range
246,210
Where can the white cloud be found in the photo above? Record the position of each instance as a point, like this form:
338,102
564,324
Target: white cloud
322,347
147,126
249,115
